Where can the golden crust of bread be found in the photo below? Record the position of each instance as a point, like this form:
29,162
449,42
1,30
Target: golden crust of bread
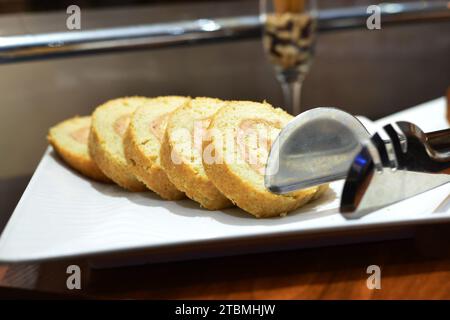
237,180
188,174
69,140
142,144
109,124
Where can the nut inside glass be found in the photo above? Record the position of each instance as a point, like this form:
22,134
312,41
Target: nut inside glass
289,36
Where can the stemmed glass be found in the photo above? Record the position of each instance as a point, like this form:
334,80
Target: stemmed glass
289,37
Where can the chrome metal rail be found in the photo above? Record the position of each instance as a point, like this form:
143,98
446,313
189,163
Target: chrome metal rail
60,44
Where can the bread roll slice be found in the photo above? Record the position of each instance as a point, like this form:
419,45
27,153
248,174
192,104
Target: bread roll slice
235,158
142,144
181,151
109,124
70,140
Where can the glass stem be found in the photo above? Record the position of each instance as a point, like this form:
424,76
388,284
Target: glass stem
292,93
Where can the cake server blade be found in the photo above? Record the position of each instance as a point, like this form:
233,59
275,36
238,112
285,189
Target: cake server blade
316,147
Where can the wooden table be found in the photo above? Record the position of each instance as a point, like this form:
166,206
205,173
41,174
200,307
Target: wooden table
416,268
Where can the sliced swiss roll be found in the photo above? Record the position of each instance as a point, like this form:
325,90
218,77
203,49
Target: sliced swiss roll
70,140
109,124
235,155
142,144
181,152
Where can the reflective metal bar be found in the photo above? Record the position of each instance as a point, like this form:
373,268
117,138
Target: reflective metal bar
391,13
26,47
50,45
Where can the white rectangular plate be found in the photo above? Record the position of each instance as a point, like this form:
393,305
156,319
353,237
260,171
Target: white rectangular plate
62,214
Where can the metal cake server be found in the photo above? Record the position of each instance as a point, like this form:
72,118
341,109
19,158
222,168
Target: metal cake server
316,147
381,168
402,164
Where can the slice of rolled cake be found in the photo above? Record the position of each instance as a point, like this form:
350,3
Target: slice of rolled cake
142,144
235,157
109,124
70,140
181,152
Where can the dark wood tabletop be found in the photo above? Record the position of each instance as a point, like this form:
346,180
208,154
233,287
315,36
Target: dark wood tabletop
415,268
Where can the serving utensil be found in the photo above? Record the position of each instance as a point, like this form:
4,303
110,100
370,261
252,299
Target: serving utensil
396,163
317,147
380,166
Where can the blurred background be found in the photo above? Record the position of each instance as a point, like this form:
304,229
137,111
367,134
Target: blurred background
373,73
